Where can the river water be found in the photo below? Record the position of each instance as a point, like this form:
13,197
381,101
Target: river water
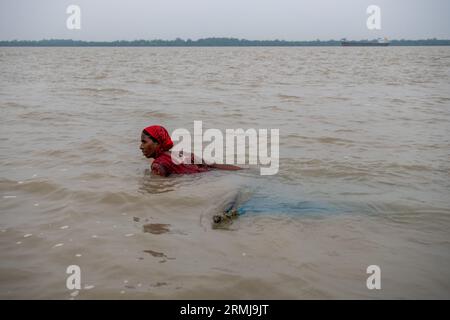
363,173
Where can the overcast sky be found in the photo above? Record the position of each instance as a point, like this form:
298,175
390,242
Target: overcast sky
251,19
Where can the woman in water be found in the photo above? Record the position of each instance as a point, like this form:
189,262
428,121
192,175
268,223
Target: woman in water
156,143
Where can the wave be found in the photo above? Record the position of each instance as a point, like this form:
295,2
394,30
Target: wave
333,140
47,116
106,91
290,98
158,114
44,188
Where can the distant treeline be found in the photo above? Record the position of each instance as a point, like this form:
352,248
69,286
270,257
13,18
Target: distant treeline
208,42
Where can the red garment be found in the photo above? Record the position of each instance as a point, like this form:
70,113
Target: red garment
163,159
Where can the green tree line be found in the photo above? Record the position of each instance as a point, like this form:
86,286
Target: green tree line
207,42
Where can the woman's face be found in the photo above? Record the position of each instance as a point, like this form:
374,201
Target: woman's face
148,147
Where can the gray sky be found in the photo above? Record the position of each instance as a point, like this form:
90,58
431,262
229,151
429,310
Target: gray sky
251,19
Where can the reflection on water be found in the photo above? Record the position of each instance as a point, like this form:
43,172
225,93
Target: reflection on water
156,184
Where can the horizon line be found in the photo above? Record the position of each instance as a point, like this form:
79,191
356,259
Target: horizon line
228,38
213,41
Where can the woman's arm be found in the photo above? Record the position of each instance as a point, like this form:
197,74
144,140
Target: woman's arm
228,167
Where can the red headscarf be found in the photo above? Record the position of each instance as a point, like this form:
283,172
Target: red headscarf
161,135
